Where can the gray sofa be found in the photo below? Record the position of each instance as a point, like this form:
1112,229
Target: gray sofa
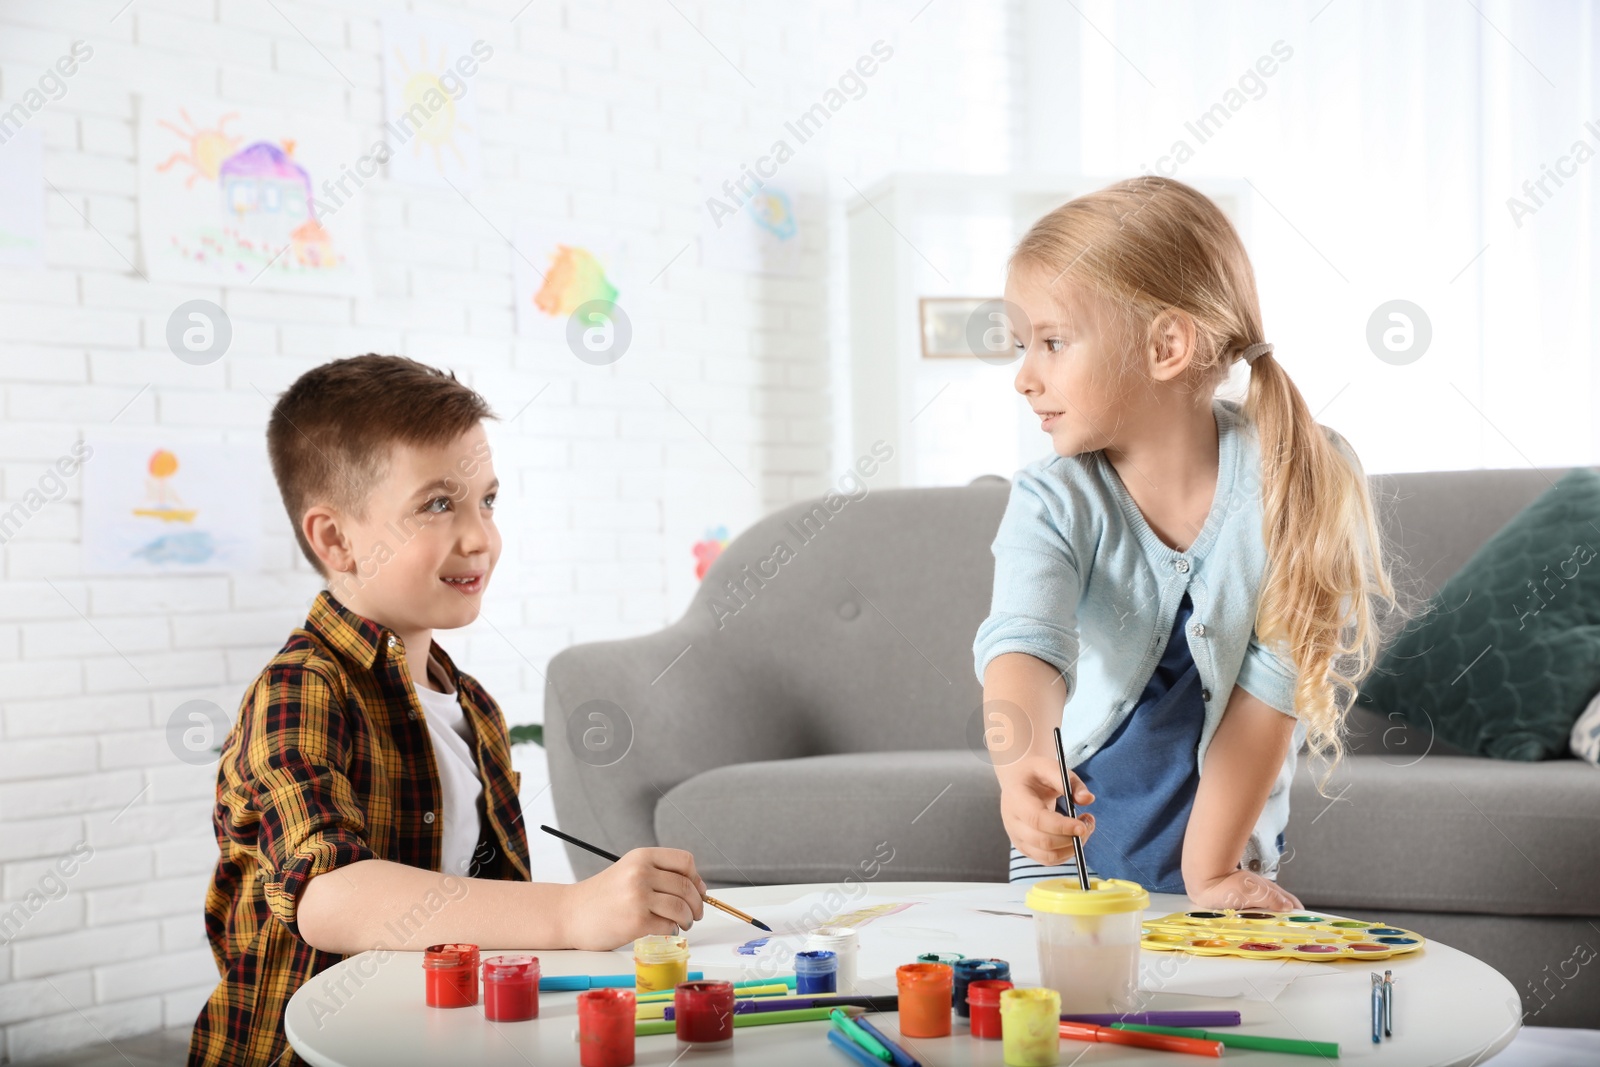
815,711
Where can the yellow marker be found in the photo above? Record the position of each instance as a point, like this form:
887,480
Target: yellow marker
1030,1023
660,962
665,995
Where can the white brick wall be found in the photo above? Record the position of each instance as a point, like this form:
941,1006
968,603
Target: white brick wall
603,114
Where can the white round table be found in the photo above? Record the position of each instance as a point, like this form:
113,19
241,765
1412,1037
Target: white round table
1450,1009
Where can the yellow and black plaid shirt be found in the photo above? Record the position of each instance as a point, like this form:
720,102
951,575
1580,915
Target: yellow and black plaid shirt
329,763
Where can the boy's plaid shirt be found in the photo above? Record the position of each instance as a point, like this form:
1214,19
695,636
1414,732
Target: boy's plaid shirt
329,763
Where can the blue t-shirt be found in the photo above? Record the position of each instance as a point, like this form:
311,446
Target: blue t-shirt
1143,780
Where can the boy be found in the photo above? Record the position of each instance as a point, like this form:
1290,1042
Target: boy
365,797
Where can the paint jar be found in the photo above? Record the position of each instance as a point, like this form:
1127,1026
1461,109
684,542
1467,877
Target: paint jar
816,970
842,942
451,975
1089,941
703,1012
924,999
660,962
1031,1021
983,999
972,969
605,1027
510,988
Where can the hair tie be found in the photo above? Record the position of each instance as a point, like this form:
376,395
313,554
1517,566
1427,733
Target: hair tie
1252,352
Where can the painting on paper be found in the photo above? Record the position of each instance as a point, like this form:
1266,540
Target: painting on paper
22,200
248,196
430,109
755,230
154,506
557,269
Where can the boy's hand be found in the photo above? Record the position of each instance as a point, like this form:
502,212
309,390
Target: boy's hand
1028,809
1244,890
647,891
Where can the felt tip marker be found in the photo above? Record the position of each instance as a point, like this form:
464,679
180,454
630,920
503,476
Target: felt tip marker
1158,1018
901,1057
848,1027
558,983
647,1027
1325,1049
1162,1042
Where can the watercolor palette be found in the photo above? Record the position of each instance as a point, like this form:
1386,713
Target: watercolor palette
1277,935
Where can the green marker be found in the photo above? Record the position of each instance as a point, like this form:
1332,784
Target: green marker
1325,1049
860,1036
647,1027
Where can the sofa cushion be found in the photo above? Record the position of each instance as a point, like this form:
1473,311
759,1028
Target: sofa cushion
1507,654
1585,739
896,816
1446,834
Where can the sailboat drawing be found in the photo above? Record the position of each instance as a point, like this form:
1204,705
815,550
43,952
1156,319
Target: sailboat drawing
161,501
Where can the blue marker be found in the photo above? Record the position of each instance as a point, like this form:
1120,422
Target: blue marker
557,983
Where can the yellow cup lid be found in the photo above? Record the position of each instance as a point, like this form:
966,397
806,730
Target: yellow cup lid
1106,896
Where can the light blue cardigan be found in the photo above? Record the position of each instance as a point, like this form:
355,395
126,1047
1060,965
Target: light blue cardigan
1082,582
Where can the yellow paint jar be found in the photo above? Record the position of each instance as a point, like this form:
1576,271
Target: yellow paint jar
1030,1025
660,962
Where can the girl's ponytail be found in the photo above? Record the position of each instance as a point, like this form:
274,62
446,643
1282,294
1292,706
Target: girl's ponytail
1326,582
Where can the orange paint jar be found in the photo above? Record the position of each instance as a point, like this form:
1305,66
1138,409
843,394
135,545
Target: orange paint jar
925,991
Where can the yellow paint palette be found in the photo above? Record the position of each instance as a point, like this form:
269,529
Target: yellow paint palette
1276,935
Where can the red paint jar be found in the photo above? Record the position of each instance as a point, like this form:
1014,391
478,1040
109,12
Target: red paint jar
605,1027
983,998
510,988
451,972
925,992
704,1013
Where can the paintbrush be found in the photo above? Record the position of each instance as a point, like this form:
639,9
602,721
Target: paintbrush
603,854
1072,812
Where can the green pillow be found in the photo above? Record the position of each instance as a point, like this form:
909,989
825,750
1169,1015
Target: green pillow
1507,654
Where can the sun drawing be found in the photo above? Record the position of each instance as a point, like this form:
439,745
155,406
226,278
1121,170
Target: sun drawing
207,148
427,106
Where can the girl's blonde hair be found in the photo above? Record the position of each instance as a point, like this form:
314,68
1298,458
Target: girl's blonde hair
1148,246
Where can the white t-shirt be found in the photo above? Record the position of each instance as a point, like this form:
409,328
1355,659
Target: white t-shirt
458,777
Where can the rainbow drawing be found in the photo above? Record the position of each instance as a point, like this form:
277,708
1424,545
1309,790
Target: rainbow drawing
707,551
574,278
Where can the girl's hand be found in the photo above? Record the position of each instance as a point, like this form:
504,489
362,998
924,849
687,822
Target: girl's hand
1028,809
1243,891
647,891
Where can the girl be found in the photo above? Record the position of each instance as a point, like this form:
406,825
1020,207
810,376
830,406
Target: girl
1220,562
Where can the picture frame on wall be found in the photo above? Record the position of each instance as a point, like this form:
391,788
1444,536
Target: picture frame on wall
944,322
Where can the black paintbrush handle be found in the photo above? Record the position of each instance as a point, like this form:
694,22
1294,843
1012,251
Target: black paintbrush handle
1072,811
569,839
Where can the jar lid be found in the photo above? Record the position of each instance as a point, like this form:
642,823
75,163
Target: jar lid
1106,896
978,965
1030,999
446,956
816,959
608,1000
985,993
840,935
510,967
926,972
661,947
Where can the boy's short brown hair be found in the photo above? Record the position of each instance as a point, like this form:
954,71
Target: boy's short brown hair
331,432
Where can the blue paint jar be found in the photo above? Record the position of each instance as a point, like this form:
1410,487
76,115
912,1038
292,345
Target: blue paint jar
975,969
816,971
